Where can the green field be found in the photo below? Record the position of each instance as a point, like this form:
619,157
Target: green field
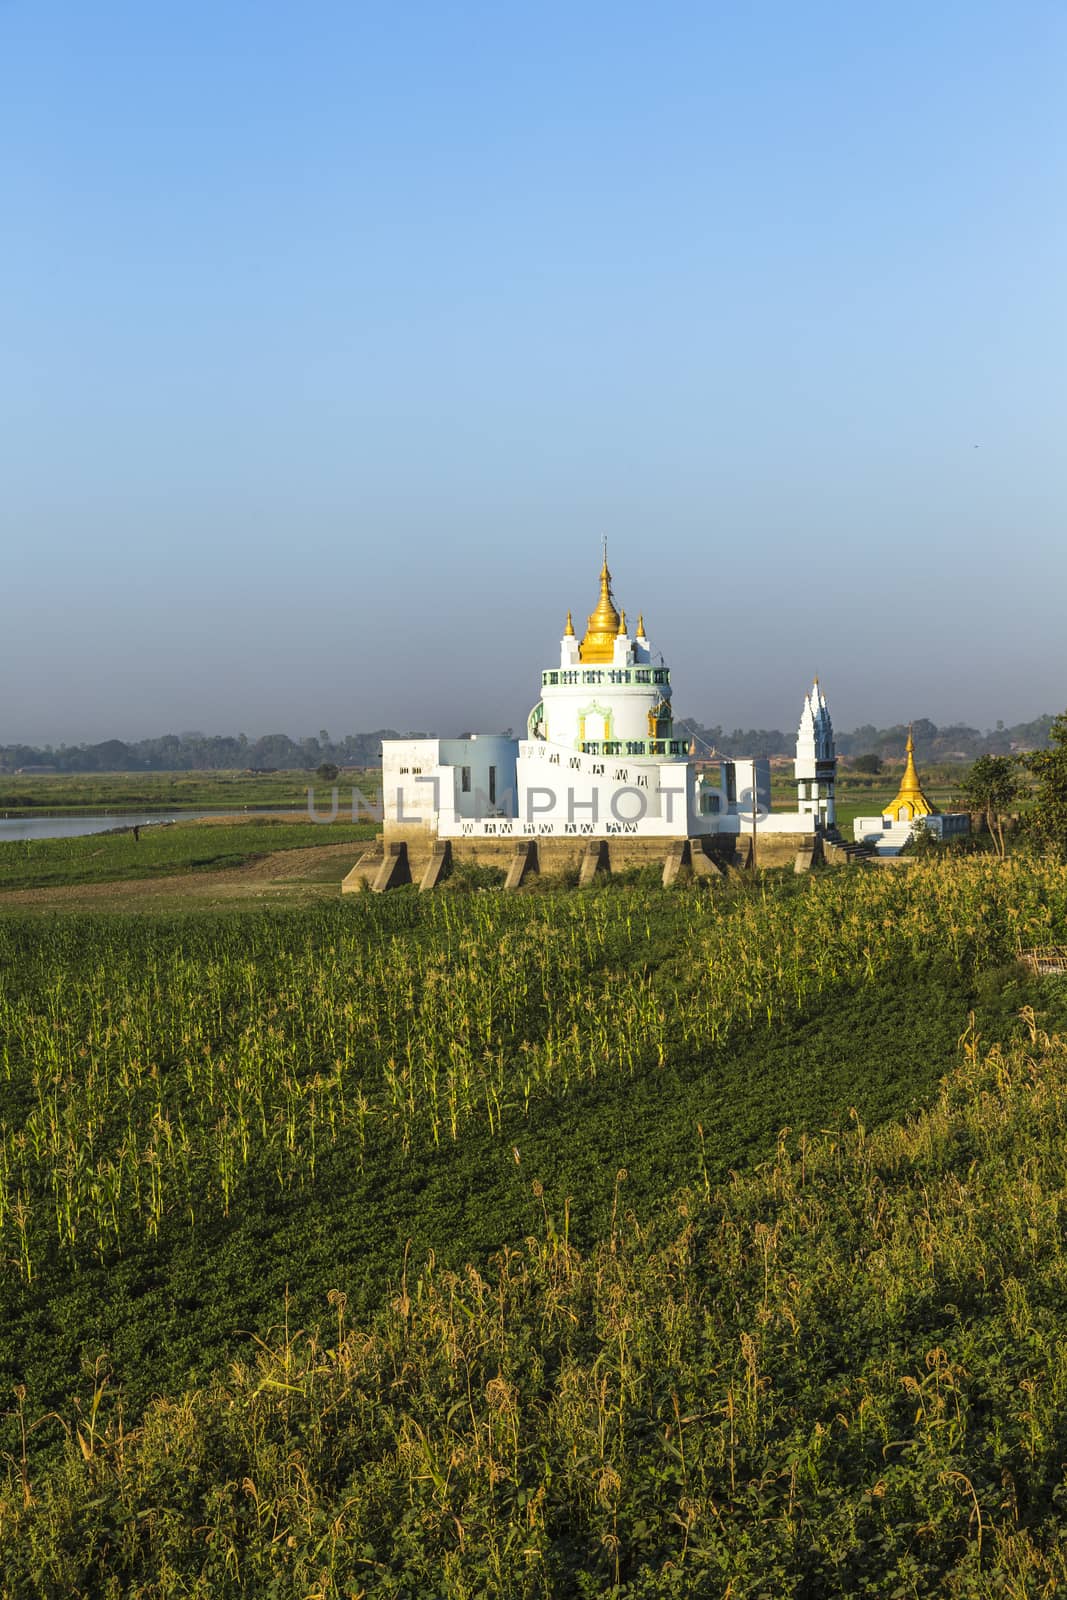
24,794
74,793
425,1216
163,850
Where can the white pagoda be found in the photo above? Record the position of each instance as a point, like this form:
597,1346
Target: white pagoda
606,697
601,759
815,767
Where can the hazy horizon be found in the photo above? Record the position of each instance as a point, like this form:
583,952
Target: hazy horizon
457,729
335,341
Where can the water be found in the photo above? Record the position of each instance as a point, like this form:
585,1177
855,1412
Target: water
46,827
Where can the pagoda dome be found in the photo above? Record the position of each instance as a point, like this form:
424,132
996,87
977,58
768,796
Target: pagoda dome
603,626
910,800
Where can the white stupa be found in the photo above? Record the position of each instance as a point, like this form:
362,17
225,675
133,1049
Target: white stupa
601,759
815,766
606,698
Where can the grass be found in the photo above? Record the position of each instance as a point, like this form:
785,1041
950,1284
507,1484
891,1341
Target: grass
841,1373
168,791
162,850
168,1301
186,1063
480,1149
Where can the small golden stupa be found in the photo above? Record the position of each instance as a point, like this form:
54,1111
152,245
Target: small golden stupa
910,801
604,624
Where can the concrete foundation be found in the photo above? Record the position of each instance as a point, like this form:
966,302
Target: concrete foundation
678,862
438,866
809,857
416,854
363,874
523,862
595,862
704,863
394,870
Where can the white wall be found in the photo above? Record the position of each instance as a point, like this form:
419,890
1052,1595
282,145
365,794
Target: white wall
614,711
486,763
404,798
752,778
562,790
542,788
423,779
889,837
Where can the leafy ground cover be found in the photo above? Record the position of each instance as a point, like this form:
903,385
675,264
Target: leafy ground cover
843,1373
210,1124
162,850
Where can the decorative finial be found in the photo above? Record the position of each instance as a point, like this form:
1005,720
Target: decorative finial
568,632
910,801
603,625
622,625
641,625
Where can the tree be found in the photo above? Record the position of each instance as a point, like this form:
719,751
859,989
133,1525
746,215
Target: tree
991,787
327,772
1048,817
870,762
276,752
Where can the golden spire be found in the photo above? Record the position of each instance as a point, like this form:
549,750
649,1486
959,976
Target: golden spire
622,625
640,625
603,625
910,801
568,632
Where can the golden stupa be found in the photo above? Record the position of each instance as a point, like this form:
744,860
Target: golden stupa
604,624
910,801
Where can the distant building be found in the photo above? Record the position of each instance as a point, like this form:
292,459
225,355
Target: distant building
601,761
909,811
815,766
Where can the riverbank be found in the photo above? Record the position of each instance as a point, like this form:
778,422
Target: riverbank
50,873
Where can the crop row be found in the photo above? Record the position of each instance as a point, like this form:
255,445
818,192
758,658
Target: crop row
142,1076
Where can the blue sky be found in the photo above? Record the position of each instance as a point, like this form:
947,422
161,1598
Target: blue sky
334,337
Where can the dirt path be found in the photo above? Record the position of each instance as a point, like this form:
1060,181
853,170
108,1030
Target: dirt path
311,872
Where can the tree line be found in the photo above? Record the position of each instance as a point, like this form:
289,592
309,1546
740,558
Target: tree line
199,752
958,741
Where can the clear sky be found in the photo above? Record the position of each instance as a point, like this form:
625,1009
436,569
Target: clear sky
334,336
